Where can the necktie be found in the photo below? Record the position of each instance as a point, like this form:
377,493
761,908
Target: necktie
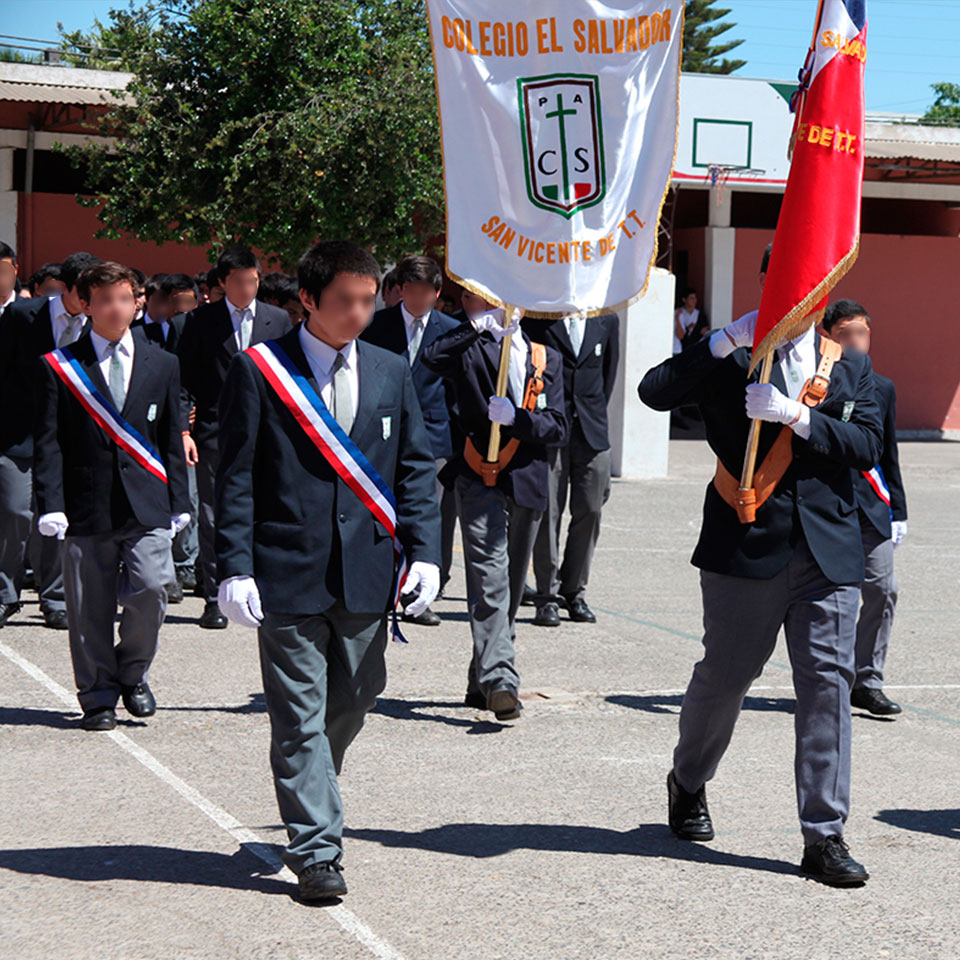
70,330
246,326
575,328
416,335
342,397
118,389
792,374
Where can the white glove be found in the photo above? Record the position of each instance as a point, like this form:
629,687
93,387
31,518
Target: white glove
493,322
178,521
501,410
737,334
898,530
426,576
239,601
766,402
53,525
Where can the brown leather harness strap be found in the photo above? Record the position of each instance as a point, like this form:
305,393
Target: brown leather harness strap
486,470
780,456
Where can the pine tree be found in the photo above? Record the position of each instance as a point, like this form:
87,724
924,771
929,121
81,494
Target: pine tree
700,53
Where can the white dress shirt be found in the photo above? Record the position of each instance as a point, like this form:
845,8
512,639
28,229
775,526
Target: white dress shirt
235,320
408,319
321,357
802,355
124,355
59,318
164,324
6,303
576,330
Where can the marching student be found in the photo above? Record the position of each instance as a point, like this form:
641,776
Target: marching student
798,565
325,486
212,335
408,328
170,297
29,329
499,506
883,523
111,484
590,350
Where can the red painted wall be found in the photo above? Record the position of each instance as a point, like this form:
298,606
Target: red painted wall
911,287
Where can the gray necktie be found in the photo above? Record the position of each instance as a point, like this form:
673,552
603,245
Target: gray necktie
70,330
118,389
576,335
342,397
246,327
792,373
416,335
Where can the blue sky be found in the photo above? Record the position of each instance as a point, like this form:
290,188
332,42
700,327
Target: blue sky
912,43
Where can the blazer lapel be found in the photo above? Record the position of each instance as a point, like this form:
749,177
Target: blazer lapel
370,386
430,333
86,356
140,372
225,332
563,338
592,335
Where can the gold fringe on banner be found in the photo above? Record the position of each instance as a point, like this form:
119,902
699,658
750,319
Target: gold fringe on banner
800,318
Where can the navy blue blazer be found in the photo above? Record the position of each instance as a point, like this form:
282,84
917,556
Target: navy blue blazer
469,361
286,518
387,330
878,512
815,499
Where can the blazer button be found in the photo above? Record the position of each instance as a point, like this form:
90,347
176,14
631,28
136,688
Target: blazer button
799,499
343,518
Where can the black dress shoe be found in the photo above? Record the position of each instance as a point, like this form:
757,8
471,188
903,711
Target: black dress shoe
475,699
504,703
426,619
580,612
101,718
7,610
55,619
874,701
529,598
212,618
688,813
175,592
322,881
187,578
547,615
139,700
829,861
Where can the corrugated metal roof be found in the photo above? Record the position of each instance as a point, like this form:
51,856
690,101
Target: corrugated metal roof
41,83
915,141
50,93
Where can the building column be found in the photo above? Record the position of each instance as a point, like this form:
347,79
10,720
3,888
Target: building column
8,199
720,248
639,436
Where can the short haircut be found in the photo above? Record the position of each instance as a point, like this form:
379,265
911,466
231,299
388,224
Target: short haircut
288,289
7,252
49,271
236,258
270,286
202,278
173,282
213,280
389,280
324,260
74,265
841,310
419,269
104,274
765,262
154,284
140,275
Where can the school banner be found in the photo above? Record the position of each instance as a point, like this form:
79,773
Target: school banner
559,128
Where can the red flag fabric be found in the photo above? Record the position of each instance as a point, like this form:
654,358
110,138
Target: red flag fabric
818,231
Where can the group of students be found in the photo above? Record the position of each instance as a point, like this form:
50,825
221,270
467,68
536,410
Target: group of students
333,457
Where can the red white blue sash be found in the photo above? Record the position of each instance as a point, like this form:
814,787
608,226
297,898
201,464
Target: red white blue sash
338,449
66,366
878,482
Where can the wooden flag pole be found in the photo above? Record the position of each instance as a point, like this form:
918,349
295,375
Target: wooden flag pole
747,495
503,375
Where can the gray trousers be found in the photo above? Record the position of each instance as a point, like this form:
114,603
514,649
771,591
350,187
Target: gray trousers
448,523
18,529
186,544
879,593
93,584
741,620
321,676
585,473
497,543
209,458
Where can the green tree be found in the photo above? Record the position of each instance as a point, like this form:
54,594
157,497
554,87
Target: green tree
700,53
273,124
117,45
946,106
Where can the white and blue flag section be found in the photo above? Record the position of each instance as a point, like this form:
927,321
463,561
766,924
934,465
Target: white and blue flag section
559,129
878,483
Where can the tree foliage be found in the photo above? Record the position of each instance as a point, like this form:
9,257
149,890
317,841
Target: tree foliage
946,106
701,28
272,124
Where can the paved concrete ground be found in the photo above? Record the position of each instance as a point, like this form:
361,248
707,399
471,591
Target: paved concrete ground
467,839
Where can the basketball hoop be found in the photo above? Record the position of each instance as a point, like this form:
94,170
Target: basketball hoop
719,173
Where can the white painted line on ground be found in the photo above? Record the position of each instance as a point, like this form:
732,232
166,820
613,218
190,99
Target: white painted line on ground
348,920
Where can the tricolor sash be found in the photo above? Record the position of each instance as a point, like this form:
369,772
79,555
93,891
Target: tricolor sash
346,458
66,366
878,482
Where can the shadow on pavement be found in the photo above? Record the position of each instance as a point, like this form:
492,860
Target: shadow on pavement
256,704
241,871
660,704
58,719
494,840
942,823
411,710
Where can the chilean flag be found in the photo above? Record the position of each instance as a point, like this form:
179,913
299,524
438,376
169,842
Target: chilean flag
818,231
